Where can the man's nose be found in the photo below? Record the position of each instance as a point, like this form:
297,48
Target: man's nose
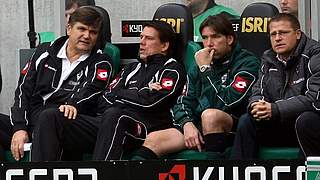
283,1
86,34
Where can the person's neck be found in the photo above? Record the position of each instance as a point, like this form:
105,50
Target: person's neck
72,54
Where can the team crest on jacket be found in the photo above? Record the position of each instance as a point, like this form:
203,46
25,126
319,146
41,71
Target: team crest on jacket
26,68
167,83
102,74
240,84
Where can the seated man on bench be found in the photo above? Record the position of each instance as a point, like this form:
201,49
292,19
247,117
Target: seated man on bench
64,74
287,88
140,99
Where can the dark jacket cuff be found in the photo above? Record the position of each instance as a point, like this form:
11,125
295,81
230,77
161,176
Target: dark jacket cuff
275,112
184,121
18,127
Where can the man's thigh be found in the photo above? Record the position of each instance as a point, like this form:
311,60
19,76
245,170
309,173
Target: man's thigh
80,134
275,133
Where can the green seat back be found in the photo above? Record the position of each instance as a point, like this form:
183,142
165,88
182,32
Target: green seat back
114,52
46,37
192,48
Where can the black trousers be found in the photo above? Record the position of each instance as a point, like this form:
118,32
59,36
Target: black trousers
251,135
54,135
118,124
5,132
308,133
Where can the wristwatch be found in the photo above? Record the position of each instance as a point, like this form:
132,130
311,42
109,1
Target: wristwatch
203,68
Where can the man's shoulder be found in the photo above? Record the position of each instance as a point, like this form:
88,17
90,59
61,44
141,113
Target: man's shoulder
312,47
245,55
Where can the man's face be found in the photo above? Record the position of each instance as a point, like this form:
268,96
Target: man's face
283,37
150,43
221,44
82,37
289,6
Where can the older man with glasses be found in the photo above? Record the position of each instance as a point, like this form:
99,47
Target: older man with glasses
287,89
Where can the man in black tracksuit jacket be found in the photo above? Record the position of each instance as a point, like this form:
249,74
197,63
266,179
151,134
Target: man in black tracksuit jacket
139,100
65,74
287,88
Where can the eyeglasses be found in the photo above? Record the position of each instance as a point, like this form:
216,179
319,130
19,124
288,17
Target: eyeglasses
280,33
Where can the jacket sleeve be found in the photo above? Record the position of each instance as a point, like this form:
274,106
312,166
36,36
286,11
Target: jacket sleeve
239,88
26,84
292,107
187,101
97,79
171,79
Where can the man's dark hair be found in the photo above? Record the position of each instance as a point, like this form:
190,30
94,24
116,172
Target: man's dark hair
87,16
70,3
166,34
285,17
220,24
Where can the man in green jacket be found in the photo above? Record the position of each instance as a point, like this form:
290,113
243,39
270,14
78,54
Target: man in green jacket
201,9
215,95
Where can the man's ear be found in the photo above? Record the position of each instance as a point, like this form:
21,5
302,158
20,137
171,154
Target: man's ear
230,40
165,46
69,29
298,33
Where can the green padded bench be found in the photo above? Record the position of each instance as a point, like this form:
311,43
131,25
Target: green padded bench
266,153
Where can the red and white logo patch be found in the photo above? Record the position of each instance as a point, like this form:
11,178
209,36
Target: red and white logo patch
240,84
26,68
102,74
167,83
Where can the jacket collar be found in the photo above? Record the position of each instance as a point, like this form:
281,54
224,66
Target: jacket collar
155,59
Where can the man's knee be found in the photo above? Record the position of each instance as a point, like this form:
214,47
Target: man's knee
152,141
306,121
216,119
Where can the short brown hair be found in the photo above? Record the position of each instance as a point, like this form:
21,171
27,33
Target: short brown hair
285,17
220,24
70,3
87,16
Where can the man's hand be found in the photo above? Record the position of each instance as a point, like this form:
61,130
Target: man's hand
261,110
192,136
69,111
18,139
155,86
204,56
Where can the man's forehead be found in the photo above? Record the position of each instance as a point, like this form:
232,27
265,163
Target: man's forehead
150,31
281,24
209,30
80,24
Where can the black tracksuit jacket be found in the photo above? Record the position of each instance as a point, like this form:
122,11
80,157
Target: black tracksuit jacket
292,88
131,89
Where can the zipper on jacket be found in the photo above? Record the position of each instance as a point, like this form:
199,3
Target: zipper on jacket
285,84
